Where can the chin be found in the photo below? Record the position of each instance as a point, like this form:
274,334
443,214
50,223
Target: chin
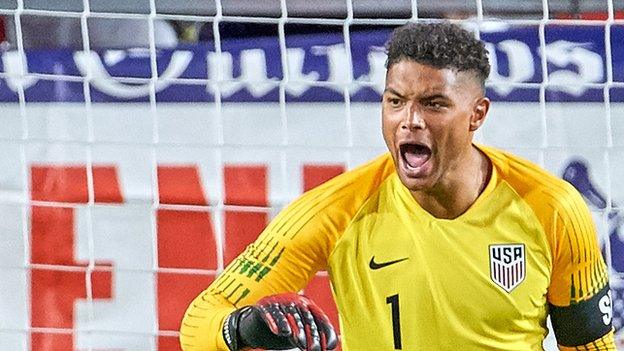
416,184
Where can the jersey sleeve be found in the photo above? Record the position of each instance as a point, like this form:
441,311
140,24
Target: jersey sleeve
579,297
578,294
284,258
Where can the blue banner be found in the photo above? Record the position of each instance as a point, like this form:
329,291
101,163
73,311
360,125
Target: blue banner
319,69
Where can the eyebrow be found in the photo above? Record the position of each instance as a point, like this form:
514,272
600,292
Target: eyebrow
435,96
392,91
426,97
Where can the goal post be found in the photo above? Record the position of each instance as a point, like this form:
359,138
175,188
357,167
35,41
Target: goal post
136,161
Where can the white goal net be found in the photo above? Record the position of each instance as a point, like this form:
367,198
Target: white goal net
143,146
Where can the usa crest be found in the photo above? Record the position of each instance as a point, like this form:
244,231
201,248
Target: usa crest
507,265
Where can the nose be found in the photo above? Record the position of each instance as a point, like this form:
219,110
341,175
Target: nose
412,120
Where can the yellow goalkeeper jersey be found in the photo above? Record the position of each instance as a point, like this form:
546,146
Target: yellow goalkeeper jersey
405,280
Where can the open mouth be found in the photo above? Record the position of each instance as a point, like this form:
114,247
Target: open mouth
415,155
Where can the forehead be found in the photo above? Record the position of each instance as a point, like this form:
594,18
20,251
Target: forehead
413,78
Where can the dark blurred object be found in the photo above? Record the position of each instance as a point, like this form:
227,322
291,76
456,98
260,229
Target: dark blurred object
229,30
3,37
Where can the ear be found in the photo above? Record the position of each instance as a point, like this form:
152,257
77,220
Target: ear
479,112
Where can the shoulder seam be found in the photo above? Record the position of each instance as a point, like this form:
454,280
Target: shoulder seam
358,211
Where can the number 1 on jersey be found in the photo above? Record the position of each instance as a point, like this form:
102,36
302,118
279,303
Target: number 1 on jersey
396,320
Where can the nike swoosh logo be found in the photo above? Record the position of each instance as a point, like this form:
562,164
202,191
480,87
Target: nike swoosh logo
374,265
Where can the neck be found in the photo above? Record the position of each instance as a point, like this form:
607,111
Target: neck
460,188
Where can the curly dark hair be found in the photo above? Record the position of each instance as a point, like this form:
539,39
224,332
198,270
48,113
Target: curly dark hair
440,45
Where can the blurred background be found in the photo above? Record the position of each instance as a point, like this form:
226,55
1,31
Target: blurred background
113,32
144,144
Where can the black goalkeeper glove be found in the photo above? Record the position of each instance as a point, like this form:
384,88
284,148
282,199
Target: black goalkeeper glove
280,322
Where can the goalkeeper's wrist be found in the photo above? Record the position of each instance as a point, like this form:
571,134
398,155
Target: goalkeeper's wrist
230,330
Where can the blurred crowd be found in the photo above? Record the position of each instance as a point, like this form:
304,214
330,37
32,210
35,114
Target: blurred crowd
58,31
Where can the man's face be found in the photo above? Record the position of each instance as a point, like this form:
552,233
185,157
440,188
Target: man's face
429,116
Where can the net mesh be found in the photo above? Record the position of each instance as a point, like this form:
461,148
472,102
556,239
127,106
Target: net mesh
118,144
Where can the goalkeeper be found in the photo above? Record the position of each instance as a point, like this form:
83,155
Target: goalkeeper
440,244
